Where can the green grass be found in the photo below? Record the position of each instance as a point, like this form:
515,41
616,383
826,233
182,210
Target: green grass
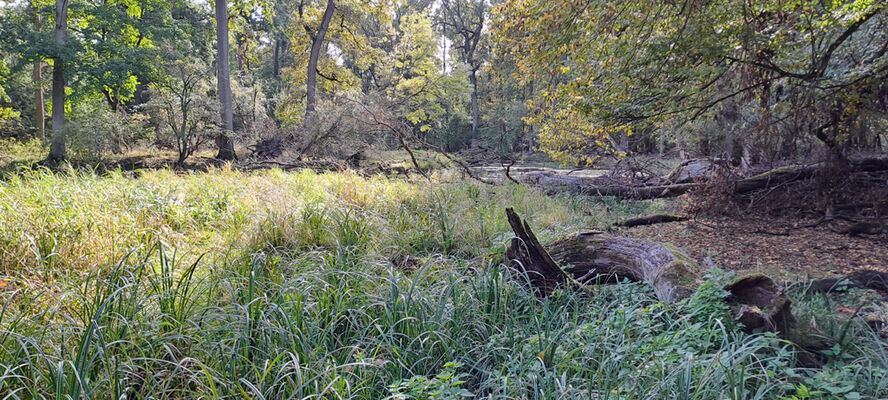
15,153
277,285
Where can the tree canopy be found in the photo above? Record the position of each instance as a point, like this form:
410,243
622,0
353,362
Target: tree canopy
778,68
578,80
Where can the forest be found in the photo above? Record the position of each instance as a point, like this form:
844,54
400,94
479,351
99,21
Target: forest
444,199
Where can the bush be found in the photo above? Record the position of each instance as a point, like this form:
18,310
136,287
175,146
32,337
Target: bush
94,131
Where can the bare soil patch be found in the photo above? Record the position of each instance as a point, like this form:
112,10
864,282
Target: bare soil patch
775,247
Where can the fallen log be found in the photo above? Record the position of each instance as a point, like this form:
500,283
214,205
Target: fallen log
315,165
650,220
562,183
777,176
756,301
599,258
698,169
864,279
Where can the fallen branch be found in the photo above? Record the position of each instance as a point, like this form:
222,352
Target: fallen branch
508,167
651,220
316,165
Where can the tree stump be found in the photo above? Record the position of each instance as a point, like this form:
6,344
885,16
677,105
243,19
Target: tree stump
589,259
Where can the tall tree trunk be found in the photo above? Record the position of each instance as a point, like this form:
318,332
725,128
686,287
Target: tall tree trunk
530,132
311,77
36,77
57,150
729,143
661,142
475,113
623,146
276,70
443,54
679,142
223,141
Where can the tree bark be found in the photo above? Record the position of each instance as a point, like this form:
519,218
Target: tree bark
755,300
311,77
530,133
57,149
651,220
223,77
276,68
36,77
476,113
864,279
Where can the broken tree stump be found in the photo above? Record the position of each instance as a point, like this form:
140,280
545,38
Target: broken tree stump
528,256
757,301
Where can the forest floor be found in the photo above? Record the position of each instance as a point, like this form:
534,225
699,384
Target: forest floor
772,247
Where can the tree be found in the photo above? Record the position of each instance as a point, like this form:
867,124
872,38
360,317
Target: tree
799,71
331,34
317,38
223,76
180,100
417,90
463,22
36,79
57,150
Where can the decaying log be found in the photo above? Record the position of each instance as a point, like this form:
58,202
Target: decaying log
586,186
600,258
697,169
865,279
316,165
758,303
756,300
528,256
777,176
650,220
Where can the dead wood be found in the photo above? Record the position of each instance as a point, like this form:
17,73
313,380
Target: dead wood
530,258
507,166
756,301
651,220
775,177
599,258
695,170
315,165
864,279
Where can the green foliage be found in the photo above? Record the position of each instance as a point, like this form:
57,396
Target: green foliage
609,69
94,131
183,104
445,385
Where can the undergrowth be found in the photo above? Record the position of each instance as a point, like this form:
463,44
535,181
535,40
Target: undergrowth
279,285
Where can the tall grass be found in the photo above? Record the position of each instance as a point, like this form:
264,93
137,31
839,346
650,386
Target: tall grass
80,220
274,285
